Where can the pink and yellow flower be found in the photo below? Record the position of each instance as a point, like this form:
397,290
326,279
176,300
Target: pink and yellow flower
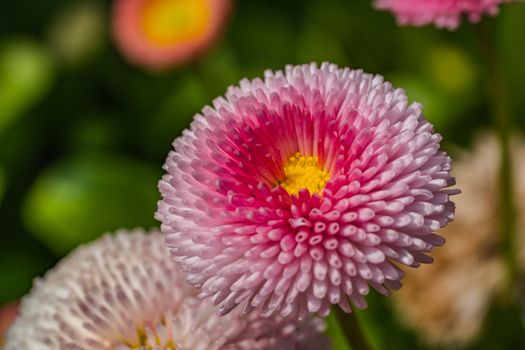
159,34
123,292
441,13
301,190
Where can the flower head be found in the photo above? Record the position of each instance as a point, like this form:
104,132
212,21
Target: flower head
442,13
300,190
448,301
159,34
123,292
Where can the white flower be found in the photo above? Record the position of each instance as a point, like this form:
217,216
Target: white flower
123,292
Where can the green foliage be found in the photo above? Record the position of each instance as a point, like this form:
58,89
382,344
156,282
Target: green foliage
84,196
513,55
26,73
19,265
336,333
3,182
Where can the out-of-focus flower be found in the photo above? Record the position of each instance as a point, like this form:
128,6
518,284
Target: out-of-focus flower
300,190
159,34
441,13
8,313
123,292
448,300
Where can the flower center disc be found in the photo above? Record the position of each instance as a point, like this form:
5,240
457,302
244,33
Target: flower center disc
304,173
147,338
169,21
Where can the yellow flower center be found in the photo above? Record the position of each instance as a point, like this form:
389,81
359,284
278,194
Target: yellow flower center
166,22
304,173
147,340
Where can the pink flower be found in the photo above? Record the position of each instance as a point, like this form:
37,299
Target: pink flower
300,190
442,13
159,34
123,292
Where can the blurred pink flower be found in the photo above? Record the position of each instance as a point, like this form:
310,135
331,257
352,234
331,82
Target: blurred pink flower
442,13
159,34
8,314
123,292
300,190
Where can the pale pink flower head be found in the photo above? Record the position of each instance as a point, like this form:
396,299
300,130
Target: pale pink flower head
123,292
441,13
159,34
302,189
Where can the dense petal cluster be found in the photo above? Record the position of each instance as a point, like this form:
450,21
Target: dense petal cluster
123,292
447,302
244,239
442,13
159,34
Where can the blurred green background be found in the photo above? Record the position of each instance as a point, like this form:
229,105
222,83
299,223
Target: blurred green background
83,134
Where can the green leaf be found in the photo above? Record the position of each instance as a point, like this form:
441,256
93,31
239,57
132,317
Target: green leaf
336,334
381,325
84,196
26,74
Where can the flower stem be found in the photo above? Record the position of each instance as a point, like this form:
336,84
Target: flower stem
352,330
502,120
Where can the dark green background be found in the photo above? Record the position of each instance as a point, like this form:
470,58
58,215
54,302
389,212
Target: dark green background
83,134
